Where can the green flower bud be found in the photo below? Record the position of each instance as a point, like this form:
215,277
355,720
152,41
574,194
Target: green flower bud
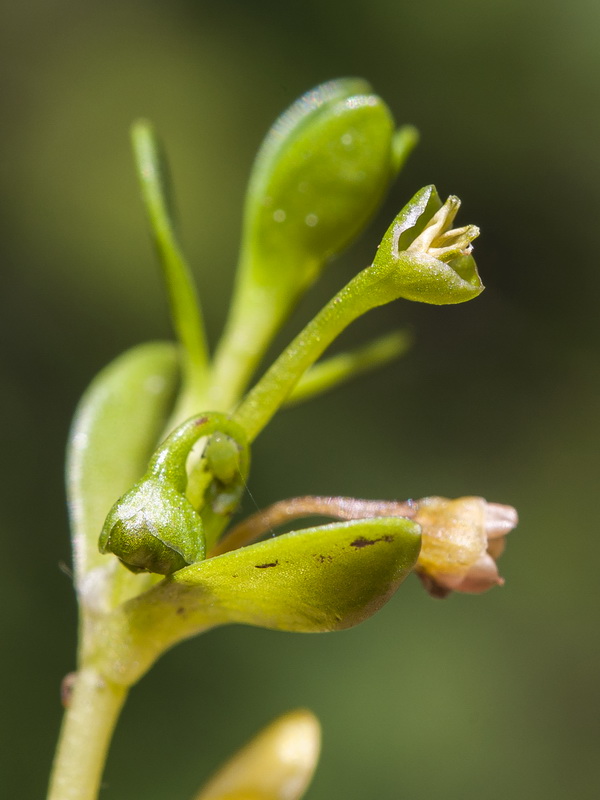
425,258
153,528
223,457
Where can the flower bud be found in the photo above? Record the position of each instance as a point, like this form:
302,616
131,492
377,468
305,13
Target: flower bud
460,541
153,528
430,261
222,454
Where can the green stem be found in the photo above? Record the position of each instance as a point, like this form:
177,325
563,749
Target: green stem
85,735
256,314
331,372
372,287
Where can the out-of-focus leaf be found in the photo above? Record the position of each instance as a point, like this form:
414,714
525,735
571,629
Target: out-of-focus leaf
332,372
116,428
277,764
319,177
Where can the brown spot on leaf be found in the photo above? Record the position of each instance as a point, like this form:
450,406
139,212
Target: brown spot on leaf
66,688
180,610
264,566
362,541
322,558
201,421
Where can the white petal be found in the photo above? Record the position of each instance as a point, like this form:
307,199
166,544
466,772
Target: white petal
499,519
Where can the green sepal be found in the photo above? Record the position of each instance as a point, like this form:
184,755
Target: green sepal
315,580
115,430
412,219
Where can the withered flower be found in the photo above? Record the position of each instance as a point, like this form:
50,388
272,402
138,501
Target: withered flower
461,540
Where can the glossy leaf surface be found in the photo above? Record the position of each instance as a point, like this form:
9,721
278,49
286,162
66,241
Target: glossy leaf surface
318,579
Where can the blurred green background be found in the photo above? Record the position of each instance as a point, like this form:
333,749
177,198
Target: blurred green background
474,697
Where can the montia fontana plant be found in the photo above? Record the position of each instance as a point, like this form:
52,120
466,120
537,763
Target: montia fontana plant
159,452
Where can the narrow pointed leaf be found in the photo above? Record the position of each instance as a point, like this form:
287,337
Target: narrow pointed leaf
332,372
186,313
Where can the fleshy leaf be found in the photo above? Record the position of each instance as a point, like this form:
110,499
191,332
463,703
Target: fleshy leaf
326,184
319,177
314,580
277,764
116,428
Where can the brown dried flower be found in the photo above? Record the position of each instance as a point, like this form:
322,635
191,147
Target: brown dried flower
461,541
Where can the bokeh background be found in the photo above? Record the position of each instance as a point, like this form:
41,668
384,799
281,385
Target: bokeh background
493,696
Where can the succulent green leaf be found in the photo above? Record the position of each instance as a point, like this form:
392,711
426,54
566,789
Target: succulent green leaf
324,185
116,427
292,122
314,580
317,180
404,141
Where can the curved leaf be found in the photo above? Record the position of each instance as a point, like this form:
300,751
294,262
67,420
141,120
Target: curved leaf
116,428
314,580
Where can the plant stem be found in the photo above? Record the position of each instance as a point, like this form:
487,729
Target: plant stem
85,735
255,316
372,287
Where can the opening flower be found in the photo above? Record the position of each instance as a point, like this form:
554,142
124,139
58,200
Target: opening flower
431,261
